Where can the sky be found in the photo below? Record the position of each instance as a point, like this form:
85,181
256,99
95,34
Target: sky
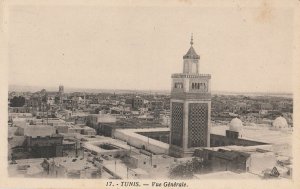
244,49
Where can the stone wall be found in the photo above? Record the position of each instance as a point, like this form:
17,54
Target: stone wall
220,140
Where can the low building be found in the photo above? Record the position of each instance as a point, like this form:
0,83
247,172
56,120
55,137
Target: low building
62,128
146,117
138,102
41,141
149,161
93,120
12,116
82,129
89,131
61,167
238,158
45,147
34,130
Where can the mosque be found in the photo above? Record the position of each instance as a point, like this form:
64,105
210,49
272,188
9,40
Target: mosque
190,131
191,112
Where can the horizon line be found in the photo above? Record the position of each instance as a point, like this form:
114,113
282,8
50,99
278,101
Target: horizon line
71,89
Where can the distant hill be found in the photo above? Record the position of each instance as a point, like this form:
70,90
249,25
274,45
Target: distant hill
20,88
287,95
23,88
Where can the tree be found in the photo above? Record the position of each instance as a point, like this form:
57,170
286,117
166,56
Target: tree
17,101
183,171
186,170
97,110
44,98
56,99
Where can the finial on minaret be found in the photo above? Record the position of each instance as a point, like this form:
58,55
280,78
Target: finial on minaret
192,40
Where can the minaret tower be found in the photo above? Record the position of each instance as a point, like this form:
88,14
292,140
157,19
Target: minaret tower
190,107
61,93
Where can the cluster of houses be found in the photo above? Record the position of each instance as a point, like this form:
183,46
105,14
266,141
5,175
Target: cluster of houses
56,116
253,109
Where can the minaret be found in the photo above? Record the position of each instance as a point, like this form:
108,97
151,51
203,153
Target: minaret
190,107
61,89
61,93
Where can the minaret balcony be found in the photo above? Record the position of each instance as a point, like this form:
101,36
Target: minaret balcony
183,75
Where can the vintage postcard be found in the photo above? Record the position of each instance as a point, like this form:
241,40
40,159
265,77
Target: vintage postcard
149,94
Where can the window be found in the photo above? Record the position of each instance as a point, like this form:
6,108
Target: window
195,85
199,86
178,85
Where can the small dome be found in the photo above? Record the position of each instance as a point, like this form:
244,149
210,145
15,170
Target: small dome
280,122
236,125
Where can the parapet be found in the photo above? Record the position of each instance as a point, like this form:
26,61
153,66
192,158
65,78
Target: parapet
182,75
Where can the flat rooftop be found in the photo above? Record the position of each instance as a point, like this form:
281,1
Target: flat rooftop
257,133
134,134
35,165
226,175
95,145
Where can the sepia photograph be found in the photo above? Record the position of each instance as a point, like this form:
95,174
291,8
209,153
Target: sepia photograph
135,94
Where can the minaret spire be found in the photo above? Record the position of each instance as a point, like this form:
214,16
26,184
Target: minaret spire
191,54
192,40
